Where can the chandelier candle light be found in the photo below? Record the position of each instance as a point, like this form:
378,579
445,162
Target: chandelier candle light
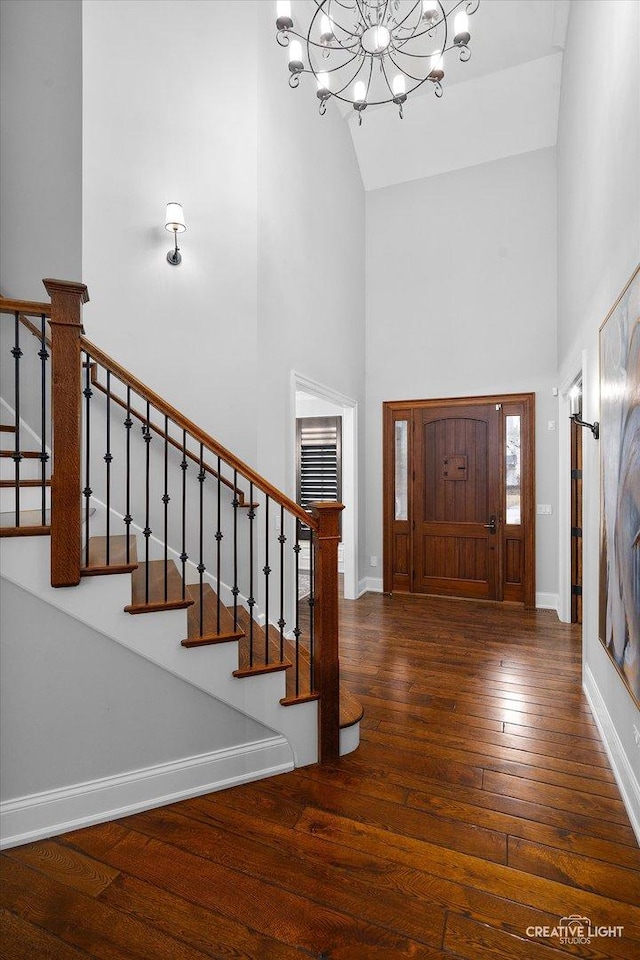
370,52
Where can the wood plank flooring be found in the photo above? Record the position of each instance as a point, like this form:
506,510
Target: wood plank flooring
480,805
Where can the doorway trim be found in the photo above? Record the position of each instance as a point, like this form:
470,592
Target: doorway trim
577,370
391,407
299,382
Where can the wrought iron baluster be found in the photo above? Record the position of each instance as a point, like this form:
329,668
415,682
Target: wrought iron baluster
251,601
282,539
201,567
107,459
43,353
128,423
146,433
165,499
296,630
234,590
267,571
87,491
312,604
184,555
17,455
219,536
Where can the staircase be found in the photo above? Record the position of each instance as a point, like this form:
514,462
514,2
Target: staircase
107,489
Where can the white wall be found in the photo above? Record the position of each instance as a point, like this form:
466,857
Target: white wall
311,243
274,206
41,139
461,301
76,706
169,114
598,249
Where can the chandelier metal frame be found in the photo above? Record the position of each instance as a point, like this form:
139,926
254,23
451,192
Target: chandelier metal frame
381,34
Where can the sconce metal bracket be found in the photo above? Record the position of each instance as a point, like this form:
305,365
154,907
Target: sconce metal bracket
594,427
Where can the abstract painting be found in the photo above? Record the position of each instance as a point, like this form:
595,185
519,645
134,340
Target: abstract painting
619,616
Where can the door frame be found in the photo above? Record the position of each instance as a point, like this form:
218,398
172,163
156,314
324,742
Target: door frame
391,408
575,371
349,412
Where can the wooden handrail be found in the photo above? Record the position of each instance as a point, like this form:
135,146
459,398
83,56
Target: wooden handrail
95,382
200,436
129,380
30,308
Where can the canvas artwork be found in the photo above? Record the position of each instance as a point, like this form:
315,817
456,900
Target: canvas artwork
619,620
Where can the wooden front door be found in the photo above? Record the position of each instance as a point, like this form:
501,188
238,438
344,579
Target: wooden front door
456,501
459,498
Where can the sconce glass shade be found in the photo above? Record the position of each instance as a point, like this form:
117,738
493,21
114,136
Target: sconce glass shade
174,219
575,402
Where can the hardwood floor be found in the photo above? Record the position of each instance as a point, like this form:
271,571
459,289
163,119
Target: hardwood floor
479,805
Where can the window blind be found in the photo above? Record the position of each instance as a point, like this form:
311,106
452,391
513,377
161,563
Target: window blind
319,474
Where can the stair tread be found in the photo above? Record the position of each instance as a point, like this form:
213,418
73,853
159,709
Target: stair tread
258,662
97,563
32,531
155,601
351,710
7,428
24,483
209,633
25,454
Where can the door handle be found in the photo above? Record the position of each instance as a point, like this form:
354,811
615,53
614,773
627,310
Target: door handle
491,526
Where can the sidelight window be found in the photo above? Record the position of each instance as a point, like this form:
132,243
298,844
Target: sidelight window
513,473
401,470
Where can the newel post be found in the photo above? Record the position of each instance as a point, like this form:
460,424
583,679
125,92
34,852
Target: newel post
66,517
325,659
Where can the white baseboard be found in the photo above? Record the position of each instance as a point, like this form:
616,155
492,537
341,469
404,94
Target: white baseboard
369,585
547,601
58,811
372,584
624,773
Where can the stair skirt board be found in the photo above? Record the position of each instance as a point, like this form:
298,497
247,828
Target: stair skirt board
53,812
99,602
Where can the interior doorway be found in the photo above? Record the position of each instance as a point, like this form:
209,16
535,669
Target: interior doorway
576,523
459,497
312,399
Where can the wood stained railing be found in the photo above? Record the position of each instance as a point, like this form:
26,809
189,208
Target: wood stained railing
137,486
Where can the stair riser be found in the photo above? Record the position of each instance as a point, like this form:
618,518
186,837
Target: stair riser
30,498
29,469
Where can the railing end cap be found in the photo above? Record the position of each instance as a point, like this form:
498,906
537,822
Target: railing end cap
319,505
66,286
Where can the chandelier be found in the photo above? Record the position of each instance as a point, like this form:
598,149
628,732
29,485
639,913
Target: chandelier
370,52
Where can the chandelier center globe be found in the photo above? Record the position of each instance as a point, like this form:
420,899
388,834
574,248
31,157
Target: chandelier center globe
376,40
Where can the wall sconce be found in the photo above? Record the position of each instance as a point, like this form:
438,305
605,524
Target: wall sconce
175,221
575,411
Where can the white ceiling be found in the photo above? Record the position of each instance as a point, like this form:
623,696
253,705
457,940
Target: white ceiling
494,116
502,102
